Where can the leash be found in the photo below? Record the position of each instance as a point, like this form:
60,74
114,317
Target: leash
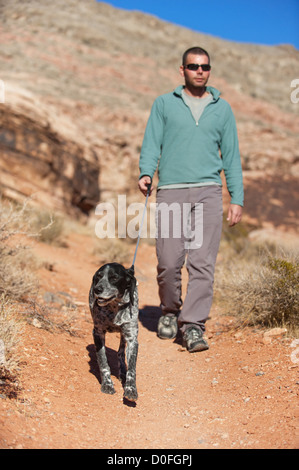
140,226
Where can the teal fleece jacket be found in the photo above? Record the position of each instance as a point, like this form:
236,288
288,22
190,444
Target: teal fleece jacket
190,152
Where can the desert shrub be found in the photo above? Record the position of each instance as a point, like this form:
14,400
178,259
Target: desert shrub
19,224
17,281
17,263
263,291
49,228
10,330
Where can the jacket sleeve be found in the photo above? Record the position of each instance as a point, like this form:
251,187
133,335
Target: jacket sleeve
152,141
230,153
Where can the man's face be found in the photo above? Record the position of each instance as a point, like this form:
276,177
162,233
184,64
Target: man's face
198,78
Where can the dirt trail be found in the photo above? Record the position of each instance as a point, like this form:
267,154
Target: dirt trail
241,393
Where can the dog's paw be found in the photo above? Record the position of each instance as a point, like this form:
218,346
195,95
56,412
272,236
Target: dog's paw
130,393
107,388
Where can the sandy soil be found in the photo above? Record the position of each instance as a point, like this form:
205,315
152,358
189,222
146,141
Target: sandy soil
242,393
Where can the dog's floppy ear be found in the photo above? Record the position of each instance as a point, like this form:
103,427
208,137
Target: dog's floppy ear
131,283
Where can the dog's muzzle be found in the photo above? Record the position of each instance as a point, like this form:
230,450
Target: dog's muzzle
102,301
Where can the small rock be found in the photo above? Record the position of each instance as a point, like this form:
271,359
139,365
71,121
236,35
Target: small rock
275,332
259,373
36,323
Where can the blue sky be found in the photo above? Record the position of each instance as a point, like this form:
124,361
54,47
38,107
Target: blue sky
269,22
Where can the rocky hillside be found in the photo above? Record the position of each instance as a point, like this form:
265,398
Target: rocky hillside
80,78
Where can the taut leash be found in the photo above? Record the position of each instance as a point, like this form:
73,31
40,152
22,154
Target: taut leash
140,226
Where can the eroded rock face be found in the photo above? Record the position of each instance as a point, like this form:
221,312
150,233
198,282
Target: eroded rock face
37,160
80,79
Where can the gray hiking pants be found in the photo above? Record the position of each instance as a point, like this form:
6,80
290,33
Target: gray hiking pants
189,225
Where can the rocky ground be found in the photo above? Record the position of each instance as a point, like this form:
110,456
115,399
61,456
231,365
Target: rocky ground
242,393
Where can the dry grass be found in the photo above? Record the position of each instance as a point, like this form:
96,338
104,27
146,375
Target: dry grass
10,358
261,287
48,227
10,330
51,318
19,284
17,281
17,264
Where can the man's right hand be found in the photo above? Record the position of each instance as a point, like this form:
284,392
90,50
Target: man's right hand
143,184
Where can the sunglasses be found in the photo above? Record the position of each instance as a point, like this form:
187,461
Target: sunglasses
195,67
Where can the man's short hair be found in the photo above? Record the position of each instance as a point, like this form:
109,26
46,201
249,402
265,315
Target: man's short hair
194,50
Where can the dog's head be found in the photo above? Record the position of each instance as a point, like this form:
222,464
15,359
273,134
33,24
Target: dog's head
111,281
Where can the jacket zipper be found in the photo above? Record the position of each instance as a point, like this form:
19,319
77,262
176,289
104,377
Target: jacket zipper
196,122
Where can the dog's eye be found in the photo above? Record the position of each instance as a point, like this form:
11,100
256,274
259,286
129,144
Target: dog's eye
113,277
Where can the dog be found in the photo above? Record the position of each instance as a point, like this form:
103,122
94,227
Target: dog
113,302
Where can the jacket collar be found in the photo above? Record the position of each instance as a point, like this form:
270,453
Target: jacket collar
210,89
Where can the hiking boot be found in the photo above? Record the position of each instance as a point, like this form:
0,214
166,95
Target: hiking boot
167,327
193,340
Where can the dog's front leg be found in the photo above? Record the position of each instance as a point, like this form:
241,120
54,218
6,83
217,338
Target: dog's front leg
106,382
121,359
130,389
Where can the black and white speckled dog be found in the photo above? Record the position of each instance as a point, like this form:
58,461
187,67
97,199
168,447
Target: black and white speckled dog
113,301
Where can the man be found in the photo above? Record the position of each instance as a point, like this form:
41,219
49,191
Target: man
191,136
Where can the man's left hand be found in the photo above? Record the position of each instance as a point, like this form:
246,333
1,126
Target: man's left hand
234,214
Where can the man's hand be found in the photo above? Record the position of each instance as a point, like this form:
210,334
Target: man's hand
234,214
143,184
